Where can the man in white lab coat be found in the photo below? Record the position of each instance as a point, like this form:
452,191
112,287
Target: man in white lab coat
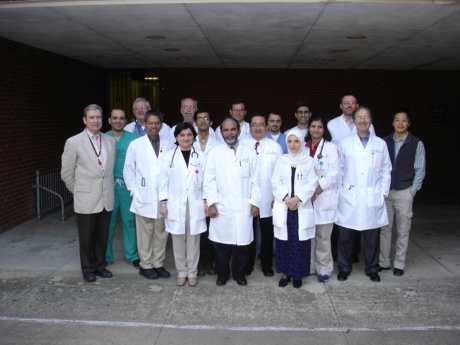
142,165
341,127
365,182
231,188
268,151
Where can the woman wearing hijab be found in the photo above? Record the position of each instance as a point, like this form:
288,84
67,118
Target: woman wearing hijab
294,182
326,159
180,186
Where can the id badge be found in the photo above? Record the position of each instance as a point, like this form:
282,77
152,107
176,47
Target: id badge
198,185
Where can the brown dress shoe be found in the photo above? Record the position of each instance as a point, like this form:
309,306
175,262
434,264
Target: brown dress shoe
221,281
180,281
192,281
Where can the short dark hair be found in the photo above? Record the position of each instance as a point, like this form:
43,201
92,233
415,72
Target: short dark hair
153,112
348,94
238,101
361,107
181,126
301,104
274,112
326,135
230,118
202,110
401,109
258,114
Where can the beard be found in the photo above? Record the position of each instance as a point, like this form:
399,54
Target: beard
230,140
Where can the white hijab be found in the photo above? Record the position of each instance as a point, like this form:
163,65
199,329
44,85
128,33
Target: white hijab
299,157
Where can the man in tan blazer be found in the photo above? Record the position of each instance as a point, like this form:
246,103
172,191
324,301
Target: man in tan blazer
87,171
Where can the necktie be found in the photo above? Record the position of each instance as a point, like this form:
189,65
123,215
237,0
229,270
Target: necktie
155,144
256,146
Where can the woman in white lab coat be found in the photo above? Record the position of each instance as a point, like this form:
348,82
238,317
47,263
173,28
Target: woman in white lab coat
180,186
326,159
293,182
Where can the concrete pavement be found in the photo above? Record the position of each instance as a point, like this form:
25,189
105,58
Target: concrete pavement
43,299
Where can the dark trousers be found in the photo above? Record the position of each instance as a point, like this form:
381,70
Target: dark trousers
240,259
93,230
335,241
347,238
266,243
207,251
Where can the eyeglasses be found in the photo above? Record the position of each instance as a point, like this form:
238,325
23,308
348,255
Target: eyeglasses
348,103
238,110
306,112
365,117
140,108
256,125
188,107
202,119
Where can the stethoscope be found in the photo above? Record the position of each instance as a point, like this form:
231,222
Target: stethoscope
171,165
320,156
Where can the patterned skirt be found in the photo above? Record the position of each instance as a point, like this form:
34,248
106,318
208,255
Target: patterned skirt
293,256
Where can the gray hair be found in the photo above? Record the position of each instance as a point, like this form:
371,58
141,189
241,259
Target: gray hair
91,107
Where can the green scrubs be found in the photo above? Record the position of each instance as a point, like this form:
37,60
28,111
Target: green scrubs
122,204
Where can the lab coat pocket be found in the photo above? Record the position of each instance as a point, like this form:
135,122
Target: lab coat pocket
143,195
245,169
174,210
279,213
377,160
306,218
81,189
375,197
328,200
199,206
347,196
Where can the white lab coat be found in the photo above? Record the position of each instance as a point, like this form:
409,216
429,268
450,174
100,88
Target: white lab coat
179,183
304,186
269,152
231,183
327,171
365,182
141,173
339,129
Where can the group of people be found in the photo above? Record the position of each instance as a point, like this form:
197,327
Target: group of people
245,191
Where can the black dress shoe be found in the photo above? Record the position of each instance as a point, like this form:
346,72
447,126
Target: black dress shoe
398,272
241,281
342,276
221,281
268,272
201,271
284,282
136,263
297,283
89,277
374,277
162,272
148,273
384,268
104,273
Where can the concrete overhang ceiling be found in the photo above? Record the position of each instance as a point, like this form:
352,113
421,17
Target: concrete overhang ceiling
388,35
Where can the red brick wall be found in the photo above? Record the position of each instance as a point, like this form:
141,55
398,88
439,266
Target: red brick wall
42,97
381,91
